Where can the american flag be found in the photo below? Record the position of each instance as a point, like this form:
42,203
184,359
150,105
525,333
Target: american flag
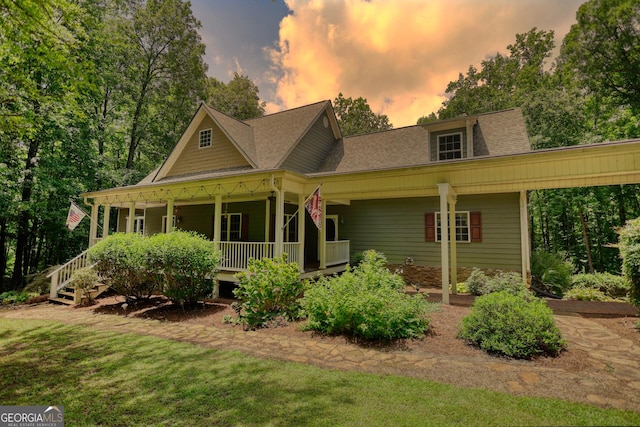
74,217
314,207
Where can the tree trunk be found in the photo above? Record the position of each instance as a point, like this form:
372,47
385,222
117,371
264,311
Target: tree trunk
622,212
22,238
585,235
3,251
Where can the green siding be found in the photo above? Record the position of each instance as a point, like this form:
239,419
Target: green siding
396,228
313,149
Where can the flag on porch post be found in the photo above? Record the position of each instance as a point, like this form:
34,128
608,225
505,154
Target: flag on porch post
74,217
314,207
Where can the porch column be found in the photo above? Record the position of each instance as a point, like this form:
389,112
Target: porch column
452,232
525,248
217,221
322,237
169,216
132,217
93,226
105,220
447,197
301,231
279,226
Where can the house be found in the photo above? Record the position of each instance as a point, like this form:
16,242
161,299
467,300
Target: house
402,192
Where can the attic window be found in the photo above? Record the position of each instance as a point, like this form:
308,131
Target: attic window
205,138
450,146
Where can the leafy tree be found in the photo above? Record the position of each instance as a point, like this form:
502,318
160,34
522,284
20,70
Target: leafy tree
164,62
603,49
238,98
356,117
40,78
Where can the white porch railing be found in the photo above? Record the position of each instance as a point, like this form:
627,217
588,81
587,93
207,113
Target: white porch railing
236,255
291,249
337,252
62,275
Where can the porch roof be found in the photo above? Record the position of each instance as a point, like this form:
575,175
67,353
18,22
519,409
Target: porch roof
577,166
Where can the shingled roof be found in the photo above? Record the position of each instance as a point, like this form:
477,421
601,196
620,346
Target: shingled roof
267,141
275,135
497,133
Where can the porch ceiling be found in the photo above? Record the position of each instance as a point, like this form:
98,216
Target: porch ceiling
578,166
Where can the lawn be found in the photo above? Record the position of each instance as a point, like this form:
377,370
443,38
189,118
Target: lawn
111,379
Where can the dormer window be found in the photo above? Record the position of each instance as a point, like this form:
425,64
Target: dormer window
205,138
450,146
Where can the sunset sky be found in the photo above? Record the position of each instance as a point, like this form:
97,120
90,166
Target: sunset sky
398,54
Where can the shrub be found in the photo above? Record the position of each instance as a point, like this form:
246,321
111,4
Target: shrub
119,260
582,293
367,302
610,285
269,288
84,280
513,325
183,265
630,253
479,283
16,297
552,269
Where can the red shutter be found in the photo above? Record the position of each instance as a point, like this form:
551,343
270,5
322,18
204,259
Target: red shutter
430,227
476,226
244,230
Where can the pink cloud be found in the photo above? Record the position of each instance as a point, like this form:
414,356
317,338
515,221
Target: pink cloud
399,55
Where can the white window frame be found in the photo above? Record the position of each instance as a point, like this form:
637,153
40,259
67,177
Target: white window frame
204,138
138,224
226,232
461,150
462,228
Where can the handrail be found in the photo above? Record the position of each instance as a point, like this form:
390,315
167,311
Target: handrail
62,275
68,262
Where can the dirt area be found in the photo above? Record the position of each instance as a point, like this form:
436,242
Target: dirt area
440,340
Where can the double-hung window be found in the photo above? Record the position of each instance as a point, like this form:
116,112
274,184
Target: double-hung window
462,227
450,146
468,227
231,227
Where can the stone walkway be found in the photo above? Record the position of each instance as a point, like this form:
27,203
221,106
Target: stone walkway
614,383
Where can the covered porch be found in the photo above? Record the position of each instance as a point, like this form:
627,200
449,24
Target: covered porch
254,215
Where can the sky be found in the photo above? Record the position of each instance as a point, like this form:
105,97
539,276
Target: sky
397,54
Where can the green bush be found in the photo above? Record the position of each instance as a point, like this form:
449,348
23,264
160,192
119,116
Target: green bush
84,280
582,293
610,285
270,288
513,325
552,269
479,283
16,297
630,253
184,264
368,302
119,260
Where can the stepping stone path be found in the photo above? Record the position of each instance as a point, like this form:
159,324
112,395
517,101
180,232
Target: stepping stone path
613,382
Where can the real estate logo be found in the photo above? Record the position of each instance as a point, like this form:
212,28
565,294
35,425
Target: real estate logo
31,416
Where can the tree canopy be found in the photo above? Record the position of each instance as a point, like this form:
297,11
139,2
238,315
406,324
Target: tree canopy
356,117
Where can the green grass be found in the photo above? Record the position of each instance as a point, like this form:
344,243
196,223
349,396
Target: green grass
111,379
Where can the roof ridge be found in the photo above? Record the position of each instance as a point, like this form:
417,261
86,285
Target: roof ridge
225,114
287,110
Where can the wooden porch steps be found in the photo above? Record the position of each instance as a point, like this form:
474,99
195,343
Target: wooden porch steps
69,296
